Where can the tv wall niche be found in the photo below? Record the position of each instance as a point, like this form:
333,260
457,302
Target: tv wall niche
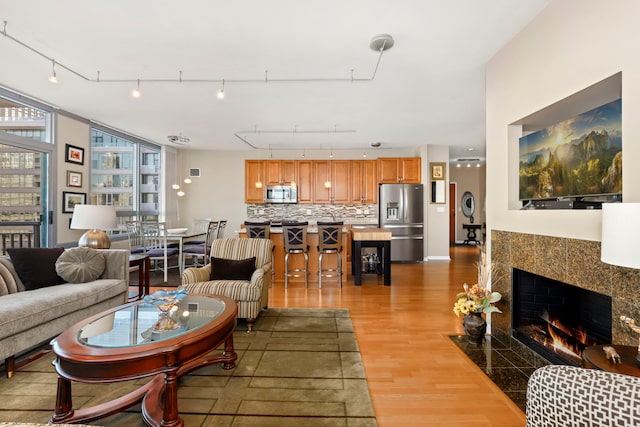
579,158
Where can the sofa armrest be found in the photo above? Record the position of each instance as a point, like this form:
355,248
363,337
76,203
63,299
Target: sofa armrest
196,274
117,264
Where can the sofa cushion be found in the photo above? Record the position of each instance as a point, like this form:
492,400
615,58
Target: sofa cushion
36,267
25,310
80,265
232,269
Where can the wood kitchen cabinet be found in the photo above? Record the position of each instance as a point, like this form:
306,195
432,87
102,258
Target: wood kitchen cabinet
280,172
364,181
331,181
254,185
393,170
304,173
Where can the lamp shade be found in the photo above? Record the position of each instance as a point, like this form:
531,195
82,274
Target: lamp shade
95,219
620,236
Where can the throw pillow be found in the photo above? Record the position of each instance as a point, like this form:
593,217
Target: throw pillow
232,269
80,265
36,267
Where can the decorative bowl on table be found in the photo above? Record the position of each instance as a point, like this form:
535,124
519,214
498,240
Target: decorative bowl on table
177,230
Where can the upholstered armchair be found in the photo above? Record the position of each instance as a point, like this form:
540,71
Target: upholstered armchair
228,257
559,395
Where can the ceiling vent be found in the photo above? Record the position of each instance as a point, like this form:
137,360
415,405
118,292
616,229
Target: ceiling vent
469,160
178,139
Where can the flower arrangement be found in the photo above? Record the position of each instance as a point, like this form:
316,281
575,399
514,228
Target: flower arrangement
478,298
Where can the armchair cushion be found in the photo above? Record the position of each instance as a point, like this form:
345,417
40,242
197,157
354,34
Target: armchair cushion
231,269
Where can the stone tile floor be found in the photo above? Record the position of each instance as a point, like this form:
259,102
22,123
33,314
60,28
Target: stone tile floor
507,362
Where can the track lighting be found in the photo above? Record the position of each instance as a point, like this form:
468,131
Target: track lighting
53,78
221,91
379,43
136,92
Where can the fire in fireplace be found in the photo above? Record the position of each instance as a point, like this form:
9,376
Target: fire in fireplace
558,320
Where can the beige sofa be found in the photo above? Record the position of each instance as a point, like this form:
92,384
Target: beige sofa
29,318
251,295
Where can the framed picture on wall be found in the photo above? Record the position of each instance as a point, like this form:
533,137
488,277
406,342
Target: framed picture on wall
74,179
71,199
73,154
437,170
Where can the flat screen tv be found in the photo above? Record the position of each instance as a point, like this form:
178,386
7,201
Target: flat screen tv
576,158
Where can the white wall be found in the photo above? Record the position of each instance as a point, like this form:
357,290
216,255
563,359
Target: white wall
436,214
78,133
570,46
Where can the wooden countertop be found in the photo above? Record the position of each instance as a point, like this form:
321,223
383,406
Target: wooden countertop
371,234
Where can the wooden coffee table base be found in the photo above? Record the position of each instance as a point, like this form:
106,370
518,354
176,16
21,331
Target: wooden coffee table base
159,396
165,361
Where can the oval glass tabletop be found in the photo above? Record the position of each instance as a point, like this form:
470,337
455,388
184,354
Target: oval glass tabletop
143,323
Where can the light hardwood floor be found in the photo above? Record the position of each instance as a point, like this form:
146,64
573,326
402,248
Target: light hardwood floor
416,375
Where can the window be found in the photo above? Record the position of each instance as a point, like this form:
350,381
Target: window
119,179
25,149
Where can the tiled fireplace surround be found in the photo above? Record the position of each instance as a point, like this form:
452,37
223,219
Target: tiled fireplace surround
572,261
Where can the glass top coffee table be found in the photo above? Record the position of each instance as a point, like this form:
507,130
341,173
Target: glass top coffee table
137,340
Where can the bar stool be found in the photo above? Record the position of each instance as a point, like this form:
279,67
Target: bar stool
258,229
295,242
261,230
330,242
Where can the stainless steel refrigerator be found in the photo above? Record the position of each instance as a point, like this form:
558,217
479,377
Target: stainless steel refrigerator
401,212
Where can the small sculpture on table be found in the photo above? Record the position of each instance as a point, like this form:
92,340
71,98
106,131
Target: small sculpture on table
611,354
166,302
635,328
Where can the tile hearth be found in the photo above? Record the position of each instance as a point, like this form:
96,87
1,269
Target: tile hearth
507,362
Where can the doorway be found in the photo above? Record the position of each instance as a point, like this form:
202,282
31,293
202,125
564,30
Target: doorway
453,225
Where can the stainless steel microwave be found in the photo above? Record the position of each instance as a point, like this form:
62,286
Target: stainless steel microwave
282,194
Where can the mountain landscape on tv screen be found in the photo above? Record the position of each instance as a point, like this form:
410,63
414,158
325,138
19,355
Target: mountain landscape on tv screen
581,156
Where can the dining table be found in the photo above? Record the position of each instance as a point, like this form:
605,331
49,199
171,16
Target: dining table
183,235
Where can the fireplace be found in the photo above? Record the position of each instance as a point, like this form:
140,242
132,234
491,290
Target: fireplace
558,320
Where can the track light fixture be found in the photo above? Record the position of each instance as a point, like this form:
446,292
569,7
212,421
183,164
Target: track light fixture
53,78
378,43
221,91
136,92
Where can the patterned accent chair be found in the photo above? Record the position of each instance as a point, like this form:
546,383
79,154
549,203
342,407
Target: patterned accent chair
559,395
251,296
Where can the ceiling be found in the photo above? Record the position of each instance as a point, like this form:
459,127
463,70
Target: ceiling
427,89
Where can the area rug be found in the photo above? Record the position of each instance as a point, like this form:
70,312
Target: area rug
299,367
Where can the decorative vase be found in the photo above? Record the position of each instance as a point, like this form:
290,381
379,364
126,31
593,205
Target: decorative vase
475,327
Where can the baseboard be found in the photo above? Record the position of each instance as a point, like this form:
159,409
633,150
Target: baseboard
437,258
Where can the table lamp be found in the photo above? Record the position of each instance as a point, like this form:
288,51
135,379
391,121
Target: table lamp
95,219
620,242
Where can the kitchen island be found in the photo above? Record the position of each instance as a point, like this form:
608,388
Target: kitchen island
297,261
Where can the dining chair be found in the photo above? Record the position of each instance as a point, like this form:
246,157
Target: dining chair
221,226
196,252
154,236
199,226
134,236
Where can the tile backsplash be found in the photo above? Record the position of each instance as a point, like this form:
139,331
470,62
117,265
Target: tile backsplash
350,214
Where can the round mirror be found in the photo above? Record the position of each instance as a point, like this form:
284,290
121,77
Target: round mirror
468,204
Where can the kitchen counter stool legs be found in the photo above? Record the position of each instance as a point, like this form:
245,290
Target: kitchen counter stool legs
295,242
